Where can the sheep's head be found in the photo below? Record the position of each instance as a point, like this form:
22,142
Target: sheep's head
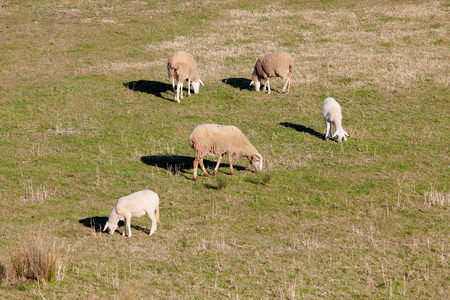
341,135
196,86
257,162
111,228
256,82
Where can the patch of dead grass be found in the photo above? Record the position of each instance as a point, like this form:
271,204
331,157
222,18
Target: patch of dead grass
435,198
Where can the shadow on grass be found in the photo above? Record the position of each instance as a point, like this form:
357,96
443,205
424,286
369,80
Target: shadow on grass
301,128
98,223
239,83
155,88
211,187
177,164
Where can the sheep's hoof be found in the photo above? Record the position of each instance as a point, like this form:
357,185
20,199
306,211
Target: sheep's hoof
232,173
195,178
207,175
215,172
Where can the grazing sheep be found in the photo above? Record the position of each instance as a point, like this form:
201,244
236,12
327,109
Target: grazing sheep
331,112
278,64
134,205
181,66
217,140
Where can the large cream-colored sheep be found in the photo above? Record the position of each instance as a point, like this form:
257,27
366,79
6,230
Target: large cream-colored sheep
134,205
217,140
278,64
182,66
331,112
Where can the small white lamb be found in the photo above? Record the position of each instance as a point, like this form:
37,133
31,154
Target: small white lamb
217,140
331,112
278,64
182,66
134,205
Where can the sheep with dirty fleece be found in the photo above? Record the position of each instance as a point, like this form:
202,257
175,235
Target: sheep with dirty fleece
217,140
331,112
134,205
278,64
182,67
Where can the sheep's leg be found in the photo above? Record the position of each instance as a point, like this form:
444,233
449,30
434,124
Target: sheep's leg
195,168
230,161
173,85
179,91
153,218
265,85
129,227
328,124
189,87
287,83
218,163
177,94
203,167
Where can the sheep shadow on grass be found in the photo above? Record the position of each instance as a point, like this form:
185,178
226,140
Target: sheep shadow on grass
301,128
239,83
98,223
155,88
177,164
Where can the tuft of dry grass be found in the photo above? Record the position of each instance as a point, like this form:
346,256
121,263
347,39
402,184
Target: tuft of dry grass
435,198
222,182
36,258
35,194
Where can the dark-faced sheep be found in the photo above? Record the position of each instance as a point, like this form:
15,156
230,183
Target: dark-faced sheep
218,140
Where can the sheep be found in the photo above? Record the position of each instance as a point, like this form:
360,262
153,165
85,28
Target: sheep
278,64
181,66
217,140
134,205
331,112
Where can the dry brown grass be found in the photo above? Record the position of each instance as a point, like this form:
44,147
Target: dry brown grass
36,258
435,198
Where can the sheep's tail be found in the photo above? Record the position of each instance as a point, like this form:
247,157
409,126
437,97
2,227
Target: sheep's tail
157,214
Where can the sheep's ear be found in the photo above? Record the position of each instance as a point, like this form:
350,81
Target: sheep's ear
334,134
252,83
106,226
201,82
346,133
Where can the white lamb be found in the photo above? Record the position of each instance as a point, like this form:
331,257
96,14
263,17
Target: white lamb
278,64
134,205
181,66
217,140
331,112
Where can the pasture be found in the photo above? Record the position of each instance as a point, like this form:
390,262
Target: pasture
87,116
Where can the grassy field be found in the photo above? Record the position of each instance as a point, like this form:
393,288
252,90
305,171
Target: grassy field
87,116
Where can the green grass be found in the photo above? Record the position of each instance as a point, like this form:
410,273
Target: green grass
87,116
